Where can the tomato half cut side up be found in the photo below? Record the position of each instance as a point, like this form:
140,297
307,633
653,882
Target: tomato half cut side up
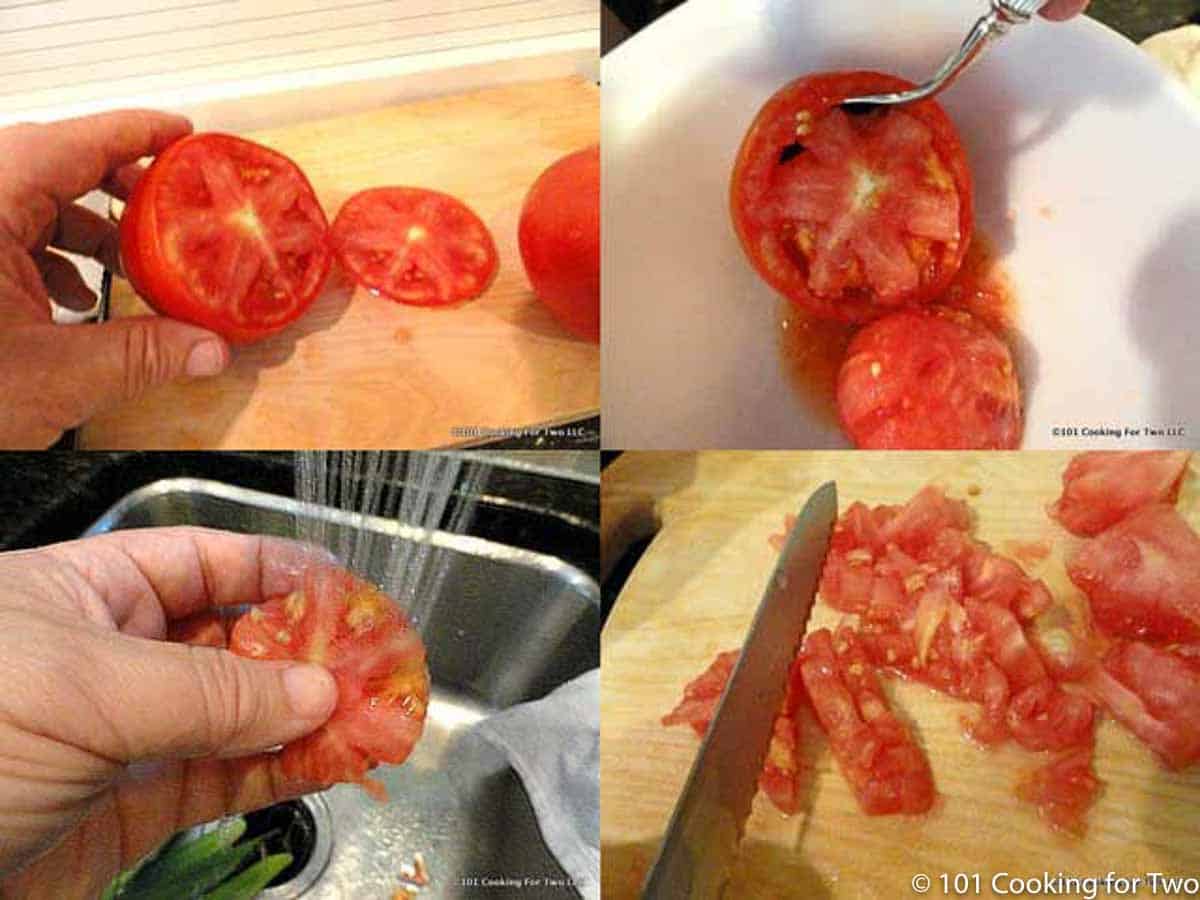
226,234
850,215
414,245
375,656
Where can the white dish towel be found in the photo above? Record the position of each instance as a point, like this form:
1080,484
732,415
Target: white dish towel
554,746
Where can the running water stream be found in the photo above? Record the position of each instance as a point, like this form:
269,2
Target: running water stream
418,490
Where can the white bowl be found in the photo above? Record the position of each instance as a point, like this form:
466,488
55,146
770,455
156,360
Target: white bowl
1086,161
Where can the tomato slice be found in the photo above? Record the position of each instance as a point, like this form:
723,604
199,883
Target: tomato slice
377,659
1142,576
932,379
226,234
415,245
852,215
1102,487
1155,693
781,774
876,752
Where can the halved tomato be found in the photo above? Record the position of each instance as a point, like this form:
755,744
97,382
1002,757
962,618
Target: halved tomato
1142,576
850,216
929,379
376,658
1102,487
226,234
415,245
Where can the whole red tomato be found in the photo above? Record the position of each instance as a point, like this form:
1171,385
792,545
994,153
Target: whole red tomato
226,234
559,234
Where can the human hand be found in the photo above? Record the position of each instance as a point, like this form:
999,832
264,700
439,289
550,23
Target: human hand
1058,10
54,377
112,738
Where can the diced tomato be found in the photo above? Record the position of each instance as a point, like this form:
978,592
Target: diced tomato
780,777
929,379
1155,693
847,215
1142,576
378,661
1063,789
702,694
876,752
1102,487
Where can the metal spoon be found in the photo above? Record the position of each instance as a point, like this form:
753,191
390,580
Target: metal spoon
995,24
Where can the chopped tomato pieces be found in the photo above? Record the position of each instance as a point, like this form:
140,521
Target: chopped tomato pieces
1155,693
1142,576
1063,789
1102,487
780,777
876,752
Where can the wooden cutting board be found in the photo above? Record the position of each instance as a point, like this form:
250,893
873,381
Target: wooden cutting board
362,371
693,594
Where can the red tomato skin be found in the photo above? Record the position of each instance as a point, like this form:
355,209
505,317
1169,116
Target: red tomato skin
150,275
929,379
1101,487
773,128
559,237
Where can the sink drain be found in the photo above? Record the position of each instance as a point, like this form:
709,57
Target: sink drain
303,828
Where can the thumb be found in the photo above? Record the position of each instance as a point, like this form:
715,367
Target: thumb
99,366
179,701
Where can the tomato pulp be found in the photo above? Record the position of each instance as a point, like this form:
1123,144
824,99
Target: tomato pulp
414,245
850,216
374,655
226,234
559,236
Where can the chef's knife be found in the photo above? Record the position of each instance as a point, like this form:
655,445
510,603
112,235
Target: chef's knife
706,828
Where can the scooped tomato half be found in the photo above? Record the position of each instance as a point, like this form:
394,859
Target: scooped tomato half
559,236
375,656
851,215
415,245
929,379
226,234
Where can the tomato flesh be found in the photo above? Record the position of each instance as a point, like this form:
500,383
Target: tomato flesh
933,379
375,656
876,752
781,773
414,245
1063,789
1102,487
1155,693
1142,576
852,215
226,234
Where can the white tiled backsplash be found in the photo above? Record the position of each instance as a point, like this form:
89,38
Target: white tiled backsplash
69,56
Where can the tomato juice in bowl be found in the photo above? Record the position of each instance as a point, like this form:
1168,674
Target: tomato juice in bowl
1098,263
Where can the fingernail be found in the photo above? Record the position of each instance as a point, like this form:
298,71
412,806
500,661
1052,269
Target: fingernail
311,691
206,359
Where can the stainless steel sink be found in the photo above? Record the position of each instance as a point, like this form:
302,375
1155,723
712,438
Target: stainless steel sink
507,626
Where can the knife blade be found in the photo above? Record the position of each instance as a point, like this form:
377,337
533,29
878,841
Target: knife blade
702,839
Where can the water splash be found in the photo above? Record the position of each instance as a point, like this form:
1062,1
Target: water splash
422,490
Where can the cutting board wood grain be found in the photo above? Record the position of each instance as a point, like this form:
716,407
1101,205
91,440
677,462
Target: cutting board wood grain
361,371
693,594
